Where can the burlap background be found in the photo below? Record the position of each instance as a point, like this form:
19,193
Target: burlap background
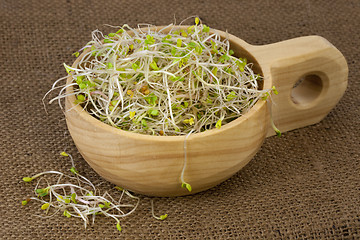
305,184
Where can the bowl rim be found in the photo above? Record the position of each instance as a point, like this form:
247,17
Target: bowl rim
70,106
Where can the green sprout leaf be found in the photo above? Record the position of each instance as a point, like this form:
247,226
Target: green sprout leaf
197,21
132,114
149,40
134,66
67,68
154,112
119,188
192,44
64,154
119,31
67,214
82,86
151,98
90,193
45,206
187,186
206,28
40,190
174,79
265,96
73,170
81,97
224,58
218,124
189,121
178,42
27,179
163,217
274,90
109,65
241,64
173,51
231,96
278,133
73,198
143,122
154,66
118,227
76,54
24,202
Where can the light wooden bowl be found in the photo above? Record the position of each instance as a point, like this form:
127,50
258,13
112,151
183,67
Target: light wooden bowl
152,165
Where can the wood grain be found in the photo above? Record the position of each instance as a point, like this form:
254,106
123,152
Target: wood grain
152,165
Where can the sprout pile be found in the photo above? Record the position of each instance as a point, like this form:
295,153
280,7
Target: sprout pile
76,196
170,81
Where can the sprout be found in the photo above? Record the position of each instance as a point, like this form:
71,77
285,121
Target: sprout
27,179
64,154
162,217
118,226
187,186
45,206
176,82
274,90
73,170
218,124
78,197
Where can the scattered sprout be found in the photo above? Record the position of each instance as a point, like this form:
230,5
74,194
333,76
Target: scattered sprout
162,217
79,198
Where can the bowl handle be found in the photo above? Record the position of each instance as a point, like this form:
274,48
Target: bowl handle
310,75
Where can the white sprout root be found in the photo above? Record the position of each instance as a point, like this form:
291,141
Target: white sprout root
156,83
75,196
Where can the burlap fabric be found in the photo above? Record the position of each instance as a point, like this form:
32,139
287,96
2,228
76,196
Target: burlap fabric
304,185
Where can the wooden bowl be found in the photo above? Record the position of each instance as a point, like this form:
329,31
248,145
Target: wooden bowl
152,165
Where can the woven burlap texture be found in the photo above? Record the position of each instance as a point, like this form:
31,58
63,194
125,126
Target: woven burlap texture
304,185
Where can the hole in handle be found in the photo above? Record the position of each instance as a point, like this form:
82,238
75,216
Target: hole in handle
307,89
